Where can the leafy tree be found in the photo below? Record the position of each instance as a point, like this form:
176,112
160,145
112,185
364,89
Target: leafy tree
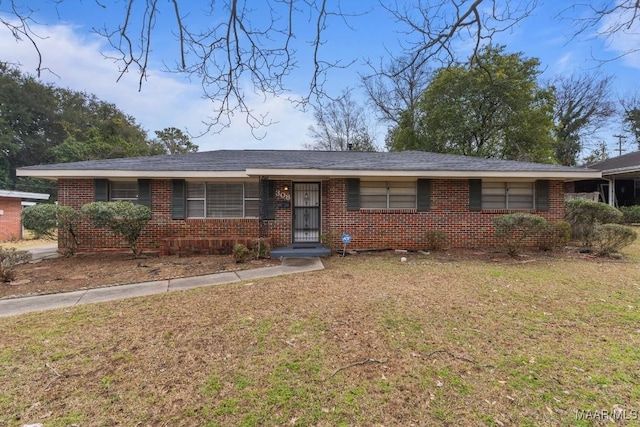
122,218
42,124
175,141
492,108
341,126
583,105
631,117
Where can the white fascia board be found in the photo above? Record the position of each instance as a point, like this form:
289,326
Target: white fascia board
620,171
24,195
339,173
115,174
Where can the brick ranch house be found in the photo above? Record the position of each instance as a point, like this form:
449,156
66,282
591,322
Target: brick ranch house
11,204
207,201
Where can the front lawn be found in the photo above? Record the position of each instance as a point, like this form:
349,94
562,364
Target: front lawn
370,340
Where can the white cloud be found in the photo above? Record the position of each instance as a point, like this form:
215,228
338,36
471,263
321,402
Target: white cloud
165,100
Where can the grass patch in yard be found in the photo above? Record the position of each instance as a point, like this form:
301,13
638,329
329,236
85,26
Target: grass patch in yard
368,341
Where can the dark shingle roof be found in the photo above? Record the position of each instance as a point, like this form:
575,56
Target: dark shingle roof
630,160
240,160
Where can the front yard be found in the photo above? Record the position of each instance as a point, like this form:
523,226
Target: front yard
370,340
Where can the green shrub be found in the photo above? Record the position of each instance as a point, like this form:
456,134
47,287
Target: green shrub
514,229
261,249
9,258
241,253
553,235
40,219
122,218
630,214
610,238
435,240
585,216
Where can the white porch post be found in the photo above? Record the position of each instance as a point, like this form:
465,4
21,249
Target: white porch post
612,191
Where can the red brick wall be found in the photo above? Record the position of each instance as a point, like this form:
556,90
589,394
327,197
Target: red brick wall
10,222
77,192
405,229
369,228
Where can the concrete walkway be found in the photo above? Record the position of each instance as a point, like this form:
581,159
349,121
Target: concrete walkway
20,305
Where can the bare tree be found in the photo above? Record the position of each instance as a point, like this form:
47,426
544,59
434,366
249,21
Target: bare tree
605,19
583,106
435,29
341,126
396,89
243,42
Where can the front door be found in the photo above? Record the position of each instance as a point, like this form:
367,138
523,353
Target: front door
306,212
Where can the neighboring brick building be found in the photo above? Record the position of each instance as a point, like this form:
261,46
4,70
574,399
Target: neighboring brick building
11,203
208,201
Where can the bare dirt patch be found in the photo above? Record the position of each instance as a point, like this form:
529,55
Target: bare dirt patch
96,270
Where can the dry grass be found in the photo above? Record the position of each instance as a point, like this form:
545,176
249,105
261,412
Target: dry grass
465,343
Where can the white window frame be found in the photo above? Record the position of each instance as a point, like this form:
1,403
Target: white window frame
387,191
205,195
511,193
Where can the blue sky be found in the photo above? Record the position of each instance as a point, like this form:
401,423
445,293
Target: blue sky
73,53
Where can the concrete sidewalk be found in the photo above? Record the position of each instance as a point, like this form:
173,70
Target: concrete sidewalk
20,305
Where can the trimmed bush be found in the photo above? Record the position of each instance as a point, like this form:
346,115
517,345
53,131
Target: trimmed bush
630,214
610,238
122,218
554,235
41,219
435,240
515,229
585,216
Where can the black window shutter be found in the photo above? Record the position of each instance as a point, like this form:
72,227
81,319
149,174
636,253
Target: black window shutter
144,192
267,199
424,195
353,194
542,195
475,194
178,202
101,190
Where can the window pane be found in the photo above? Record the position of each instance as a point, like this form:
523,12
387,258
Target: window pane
494,195
195,208
224,200
251,208
373,202
378,188
124,190
520,195
195,190
251,190
404,201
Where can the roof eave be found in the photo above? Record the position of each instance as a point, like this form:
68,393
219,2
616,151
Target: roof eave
307,173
